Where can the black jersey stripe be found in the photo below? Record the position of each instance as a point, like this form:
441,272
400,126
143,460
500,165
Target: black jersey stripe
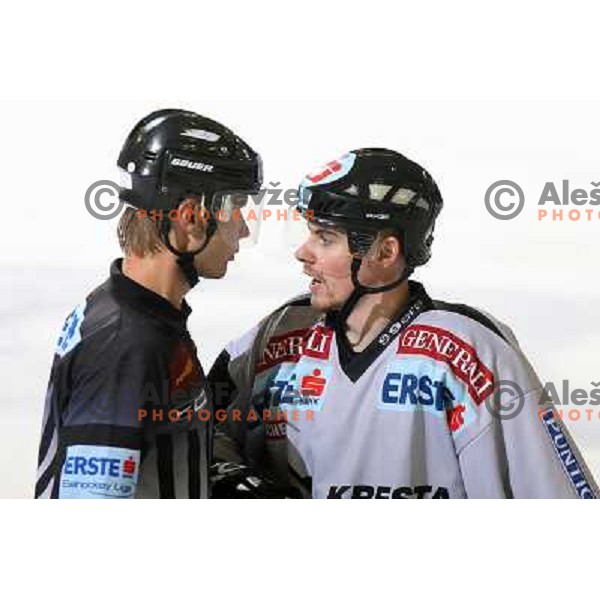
47,460
471,313
46,493
44,479
47,435
221,384
102,435
164,466
204,466
193,460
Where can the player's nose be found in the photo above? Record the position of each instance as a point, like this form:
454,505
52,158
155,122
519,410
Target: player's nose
304,254
244,229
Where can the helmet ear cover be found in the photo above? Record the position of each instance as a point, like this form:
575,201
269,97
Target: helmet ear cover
360,242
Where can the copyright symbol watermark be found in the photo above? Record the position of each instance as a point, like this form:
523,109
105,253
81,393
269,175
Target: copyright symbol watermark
108,209
503,208
506,400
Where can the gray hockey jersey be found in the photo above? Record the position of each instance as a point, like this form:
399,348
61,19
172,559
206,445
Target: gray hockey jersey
442,404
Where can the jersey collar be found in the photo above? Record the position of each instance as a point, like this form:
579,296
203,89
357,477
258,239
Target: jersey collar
354,364
145,300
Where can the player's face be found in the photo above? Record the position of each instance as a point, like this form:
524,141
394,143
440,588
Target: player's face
326,258
212,262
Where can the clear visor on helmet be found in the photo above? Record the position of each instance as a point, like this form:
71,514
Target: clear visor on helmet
296,223
242,208
296,228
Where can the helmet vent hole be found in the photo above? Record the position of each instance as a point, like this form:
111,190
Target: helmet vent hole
403,196
377,191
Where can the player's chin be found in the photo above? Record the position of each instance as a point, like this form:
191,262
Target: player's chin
215,272
321,303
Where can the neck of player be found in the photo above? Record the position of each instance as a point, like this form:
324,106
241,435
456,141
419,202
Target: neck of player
373,314
159,273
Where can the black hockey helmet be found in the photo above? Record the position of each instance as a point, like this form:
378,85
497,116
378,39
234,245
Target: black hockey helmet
371,190
367,191
172,154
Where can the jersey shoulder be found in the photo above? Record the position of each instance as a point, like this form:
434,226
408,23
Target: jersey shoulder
97,315
297,313
469,338
120,360
474,321
101,327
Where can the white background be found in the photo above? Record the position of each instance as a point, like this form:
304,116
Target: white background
476,92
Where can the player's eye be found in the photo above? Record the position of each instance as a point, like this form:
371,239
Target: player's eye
325,240
239,200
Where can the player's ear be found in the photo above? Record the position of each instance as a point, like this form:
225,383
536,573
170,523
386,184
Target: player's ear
388,250
188,224
191,217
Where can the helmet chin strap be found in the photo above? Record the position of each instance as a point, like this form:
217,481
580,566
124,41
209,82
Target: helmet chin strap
185,260
361,290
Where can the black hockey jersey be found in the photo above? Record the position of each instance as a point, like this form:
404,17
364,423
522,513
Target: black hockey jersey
123,400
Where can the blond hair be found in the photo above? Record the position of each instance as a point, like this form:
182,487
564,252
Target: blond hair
139,234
